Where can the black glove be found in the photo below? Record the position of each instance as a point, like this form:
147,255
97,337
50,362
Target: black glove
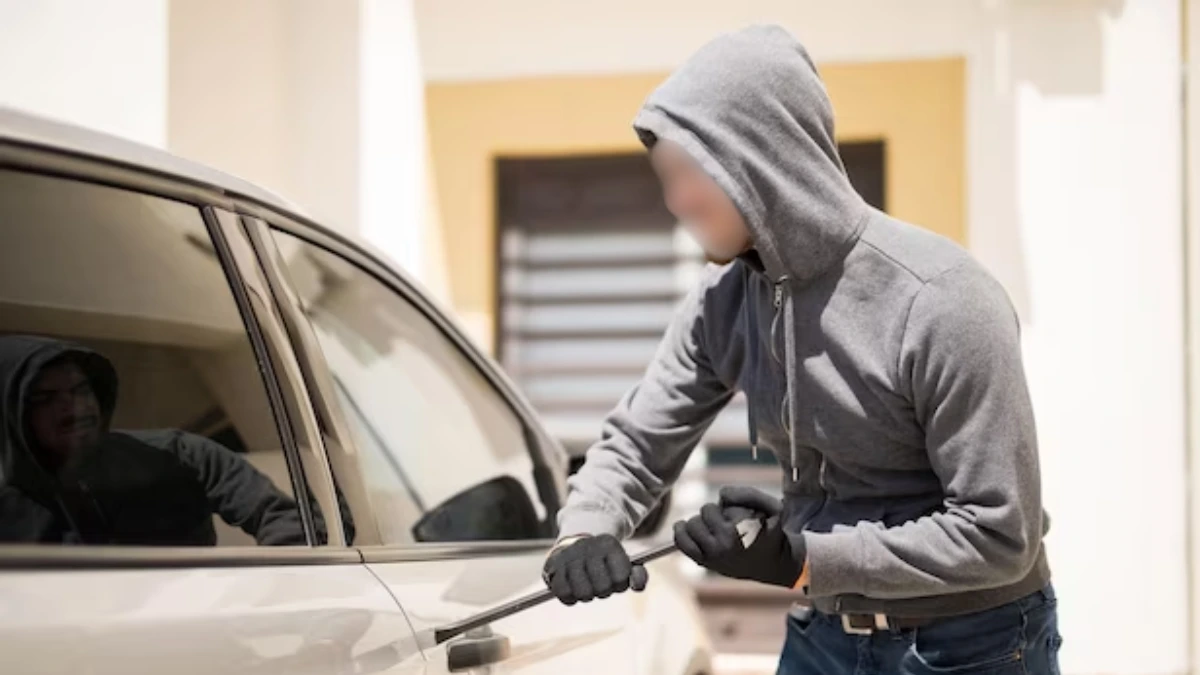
712,540
593,567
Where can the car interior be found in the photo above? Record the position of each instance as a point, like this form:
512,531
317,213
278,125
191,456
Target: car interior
132,277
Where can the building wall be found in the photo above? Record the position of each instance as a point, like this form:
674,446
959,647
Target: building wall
537,38
1076,202
318,101
915,106
1191,39
100,65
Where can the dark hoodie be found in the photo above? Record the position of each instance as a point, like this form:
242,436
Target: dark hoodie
881,363
131,487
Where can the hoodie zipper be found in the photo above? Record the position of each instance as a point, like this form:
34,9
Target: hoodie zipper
784,416
777,303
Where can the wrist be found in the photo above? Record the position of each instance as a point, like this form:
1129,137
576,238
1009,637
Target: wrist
805,575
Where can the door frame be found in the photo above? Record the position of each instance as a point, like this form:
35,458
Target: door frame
548,456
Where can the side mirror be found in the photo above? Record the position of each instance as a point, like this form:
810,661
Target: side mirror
498,509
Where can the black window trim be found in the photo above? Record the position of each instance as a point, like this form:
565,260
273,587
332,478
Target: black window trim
310,360
541,447
283,422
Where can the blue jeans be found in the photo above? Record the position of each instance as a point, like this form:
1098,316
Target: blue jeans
1020,638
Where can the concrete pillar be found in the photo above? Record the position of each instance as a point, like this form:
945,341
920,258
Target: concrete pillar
320,101
392,187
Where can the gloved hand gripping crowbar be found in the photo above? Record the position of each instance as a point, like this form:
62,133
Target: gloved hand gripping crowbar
747,527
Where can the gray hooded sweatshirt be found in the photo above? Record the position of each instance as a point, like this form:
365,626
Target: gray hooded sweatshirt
881,363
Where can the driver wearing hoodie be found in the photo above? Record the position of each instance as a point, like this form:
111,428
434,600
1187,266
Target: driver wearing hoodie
66,478
881,365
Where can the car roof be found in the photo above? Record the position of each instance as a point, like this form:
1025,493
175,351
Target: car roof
23,128
26,129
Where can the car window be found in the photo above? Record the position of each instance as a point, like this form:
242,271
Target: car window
442,454
134,410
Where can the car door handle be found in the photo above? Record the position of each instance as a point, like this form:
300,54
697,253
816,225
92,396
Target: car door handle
448,631
478,647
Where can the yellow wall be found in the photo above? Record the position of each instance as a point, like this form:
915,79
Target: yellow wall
916,107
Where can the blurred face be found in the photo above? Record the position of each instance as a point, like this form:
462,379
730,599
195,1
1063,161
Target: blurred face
64,414
694,198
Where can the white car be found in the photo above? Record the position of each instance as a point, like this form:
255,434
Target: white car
236,441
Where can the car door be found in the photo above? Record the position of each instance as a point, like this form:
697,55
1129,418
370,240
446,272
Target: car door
155,508
459,483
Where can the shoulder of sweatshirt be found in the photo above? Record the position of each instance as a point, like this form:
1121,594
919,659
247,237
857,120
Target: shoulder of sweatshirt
924,255
944,281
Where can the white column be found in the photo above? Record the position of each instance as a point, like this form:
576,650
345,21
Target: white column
321,101
322,110
392,184
1192,149
101,65
1075,202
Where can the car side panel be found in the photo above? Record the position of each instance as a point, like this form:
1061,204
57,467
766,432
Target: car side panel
639,633
201,621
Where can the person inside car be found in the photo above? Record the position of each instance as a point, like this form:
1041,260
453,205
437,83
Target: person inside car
66,477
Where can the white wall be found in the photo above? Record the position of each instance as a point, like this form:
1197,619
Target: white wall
1192,187
1075,182
320,101
227,88
97,64
544,37
1074,201
392,163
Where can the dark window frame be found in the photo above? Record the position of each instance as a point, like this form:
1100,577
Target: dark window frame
96,171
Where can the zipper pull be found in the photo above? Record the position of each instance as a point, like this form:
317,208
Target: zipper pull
778,294
754,452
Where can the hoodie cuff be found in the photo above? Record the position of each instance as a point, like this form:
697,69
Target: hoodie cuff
835,564
592,521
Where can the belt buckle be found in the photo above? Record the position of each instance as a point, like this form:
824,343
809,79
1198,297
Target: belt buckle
881,624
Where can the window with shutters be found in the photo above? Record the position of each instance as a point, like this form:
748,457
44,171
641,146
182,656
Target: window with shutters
591,267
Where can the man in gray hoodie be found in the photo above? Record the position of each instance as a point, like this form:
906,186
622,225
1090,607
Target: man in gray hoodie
882,366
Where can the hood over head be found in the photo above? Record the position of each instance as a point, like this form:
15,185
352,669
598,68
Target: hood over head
22,357
751,109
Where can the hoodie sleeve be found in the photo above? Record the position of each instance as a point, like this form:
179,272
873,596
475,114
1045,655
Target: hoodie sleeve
239,493
647,438
960,361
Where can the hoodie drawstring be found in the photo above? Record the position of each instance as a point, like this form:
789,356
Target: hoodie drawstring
753,430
